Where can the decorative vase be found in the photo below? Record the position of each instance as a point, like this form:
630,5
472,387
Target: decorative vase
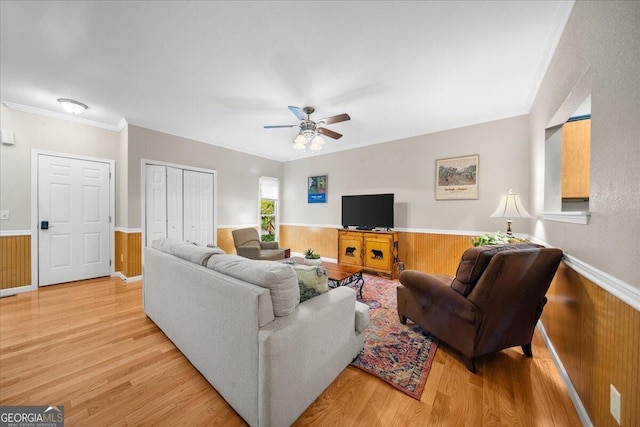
313,261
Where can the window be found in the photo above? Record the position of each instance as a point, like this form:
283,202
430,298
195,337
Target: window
269,221
567,158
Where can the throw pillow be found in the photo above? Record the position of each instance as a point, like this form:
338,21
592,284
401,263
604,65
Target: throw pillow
277,277
312,281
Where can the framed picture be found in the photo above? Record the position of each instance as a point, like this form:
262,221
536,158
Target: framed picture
457,178
317,189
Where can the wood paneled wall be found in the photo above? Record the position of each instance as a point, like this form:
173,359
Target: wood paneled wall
597,337
15,261
128,253
322,240
225,240
431,253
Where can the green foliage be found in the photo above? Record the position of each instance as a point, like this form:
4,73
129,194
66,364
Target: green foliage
267,220
498,238
268,237
309,254
267,207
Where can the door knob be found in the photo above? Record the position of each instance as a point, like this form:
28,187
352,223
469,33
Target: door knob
44,225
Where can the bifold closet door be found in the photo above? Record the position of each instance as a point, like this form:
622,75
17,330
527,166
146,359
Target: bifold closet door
198,207
155,203
174,203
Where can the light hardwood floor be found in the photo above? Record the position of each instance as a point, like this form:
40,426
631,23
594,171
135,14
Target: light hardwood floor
89,346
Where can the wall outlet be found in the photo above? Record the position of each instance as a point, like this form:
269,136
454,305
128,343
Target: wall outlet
4,214
614,403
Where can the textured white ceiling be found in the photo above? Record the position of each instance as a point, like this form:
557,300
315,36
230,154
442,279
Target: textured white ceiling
217,72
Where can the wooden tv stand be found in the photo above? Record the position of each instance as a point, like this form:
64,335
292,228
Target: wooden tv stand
374,251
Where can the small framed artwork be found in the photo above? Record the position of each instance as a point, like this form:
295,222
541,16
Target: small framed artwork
457,178
317,189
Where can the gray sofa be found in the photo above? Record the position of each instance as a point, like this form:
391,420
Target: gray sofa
240,323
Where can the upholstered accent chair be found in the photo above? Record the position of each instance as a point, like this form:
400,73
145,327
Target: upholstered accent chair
248,244
493,303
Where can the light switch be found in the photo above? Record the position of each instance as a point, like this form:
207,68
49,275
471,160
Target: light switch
4,214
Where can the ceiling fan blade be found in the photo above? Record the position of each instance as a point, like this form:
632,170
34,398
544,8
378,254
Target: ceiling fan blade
329,133
335,119
280,126
298,112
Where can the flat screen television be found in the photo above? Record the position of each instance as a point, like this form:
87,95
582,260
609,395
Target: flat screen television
367,211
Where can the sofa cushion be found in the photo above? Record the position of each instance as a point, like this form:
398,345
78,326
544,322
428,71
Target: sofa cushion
188,251
279,278
312,280
475,260
166,245
196,254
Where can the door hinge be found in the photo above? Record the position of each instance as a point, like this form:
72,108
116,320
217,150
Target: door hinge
109,219
109,263
109,175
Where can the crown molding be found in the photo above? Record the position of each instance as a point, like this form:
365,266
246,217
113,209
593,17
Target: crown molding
60,116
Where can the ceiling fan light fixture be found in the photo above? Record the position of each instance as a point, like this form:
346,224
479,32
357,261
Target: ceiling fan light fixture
300,142
315,147
317,140
72,106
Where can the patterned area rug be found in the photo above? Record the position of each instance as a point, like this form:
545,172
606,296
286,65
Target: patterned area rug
399,354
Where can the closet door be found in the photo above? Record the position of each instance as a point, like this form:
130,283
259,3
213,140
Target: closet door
155,203
198,207
174,203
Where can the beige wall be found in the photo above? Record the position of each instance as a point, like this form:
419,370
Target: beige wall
122,173
32,131
602,36
407,168
237,173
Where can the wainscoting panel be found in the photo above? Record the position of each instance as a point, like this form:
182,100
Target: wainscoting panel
120,252
597,338
15,261
323,240
225,240
432,253
128,253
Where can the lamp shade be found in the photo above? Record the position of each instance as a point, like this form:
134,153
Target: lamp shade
510,207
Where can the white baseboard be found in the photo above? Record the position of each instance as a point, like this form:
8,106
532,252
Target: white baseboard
17,290
573,393
125,278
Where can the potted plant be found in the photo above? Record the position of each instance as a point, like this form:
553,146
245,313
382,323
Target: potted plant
498,238
311,258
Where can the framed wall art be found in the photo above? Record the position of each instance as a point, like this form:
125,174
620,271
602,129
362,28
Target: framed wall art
317,189
457,178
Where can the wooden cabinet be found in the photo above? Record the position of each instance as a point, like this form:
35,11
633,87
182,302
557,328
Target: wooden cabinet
576,143
374,251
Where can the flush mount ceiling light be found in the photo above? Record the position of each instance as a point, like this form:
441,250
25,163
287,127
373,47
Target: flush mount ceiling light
73,107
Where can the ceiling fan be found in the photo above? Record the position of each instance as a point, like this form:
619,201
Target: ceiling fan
310,130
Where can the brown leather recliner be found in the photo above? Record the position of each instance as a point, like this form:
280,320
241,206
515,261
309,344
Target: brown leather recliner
493,303
248,244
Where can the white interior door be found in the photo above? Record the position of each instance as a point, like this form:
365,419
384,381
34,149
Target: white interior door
198,207
73,219
174,203
155,203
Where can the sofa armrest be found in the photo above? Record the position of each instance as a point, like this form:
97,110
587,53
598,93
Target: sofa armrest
251,252
269,245
301,354
362,316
